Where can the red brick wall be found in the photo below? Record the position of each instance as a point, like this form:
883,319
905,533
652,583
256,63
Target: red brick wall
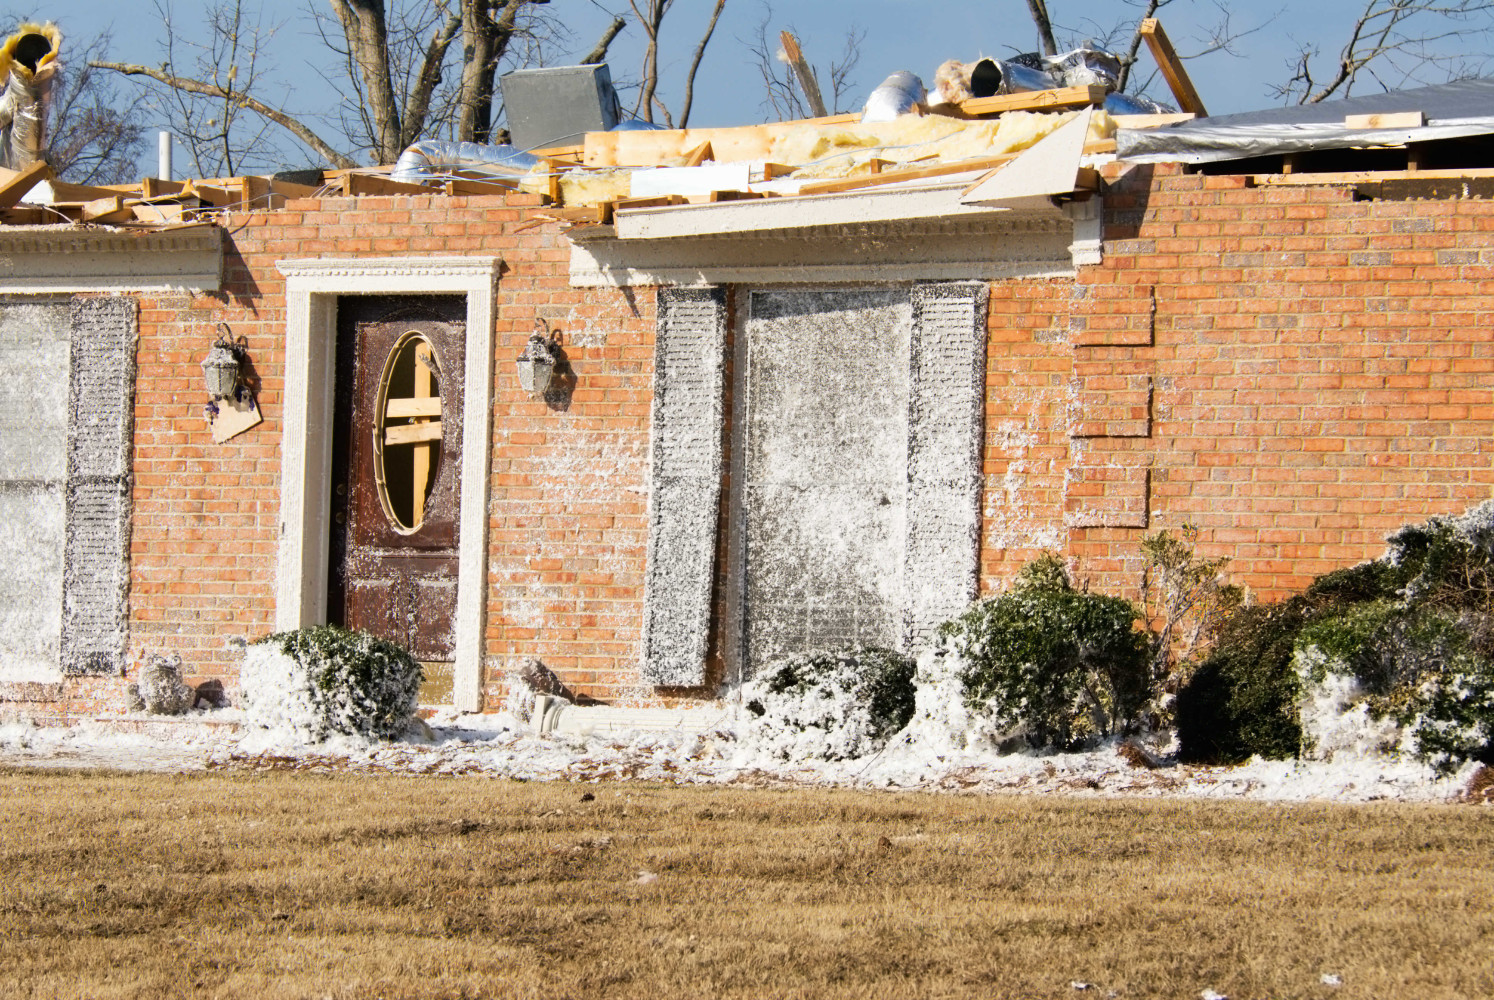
1319,368
1293,372
567,510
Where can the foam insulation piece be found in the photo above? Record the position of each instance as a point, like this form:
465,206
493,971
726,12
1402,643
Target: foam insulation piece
685,484
946,411
693,180
96,558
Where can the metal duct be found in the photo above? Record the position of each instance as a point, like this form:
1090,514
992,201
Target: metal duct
899,94
433,158
28,62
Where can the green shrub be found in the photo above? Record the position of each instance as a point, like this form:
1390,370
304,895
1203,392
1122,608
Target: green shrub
1242,700
1050,664
830,706
1452,714
322,679
1408,637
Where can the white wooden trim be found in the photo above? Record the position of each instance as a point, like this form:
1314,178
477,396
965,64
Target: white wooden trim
311,291
49,260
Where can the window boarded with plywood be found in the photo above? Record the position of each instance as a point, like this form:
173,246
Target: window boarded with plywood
857,478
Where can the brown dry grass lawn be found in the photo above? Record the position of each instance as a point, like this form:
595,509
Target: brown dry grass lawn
297,885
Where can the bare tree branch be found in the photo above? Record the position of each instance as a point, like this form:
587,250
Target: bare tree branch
1044,24
695,63
1395,42
417,107
191,86
598,52
367,35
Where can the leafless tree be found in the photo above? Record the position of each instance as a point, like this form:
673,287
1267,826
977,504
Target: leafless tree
650,16
93,132
206,103
395,57
783,96
393,60
1394,43
1123,37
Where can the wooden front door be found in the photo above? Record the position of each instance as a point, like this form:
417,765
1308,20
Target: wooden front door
396,468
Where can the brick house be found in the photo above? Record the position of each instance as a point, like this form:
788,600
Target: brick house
777,423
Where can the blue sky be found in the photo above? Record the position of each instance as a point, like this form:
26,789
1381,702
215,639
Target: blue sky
898,34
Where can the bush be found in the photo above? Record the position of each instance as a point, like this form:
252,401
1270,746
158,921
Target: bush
1242,700
323,679
1048,664
1399,647
831,706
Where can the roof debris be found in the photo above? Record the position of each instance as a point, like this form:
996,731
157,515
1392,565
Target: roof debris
980,118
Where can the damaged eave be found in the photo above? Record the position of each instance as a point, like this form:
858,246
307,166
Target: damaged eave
939,201
902,234
53,259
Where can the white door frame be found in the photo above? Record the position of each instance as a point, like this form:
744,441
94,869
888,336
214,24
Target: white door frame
312,288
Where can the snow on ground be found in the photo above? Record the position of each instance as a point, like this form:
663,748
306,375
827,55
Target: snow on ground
501,746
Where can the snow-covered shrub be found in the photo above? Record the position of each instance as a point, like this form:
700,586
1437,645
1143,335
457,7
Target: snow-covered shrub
160,689
830,706
1048,664
320,680
1337,708
1394,653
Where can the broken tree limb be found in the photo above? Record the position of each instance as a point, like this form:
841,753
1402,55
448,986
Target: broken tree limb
803,74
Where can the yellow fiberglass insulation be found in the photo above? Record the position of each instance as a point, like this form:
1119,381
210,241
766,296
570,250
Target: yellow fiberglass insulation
581,187
32,66
946,140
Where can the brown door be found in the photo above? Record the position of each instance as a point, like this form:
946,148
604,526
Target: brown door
396,467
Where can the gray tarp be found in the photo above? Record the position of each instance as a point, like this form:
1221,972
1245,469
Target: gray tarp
1453,110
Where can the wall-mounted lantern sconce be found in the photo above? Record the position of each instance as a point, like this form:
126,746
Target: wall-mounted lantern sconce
231,386
537,363
223,367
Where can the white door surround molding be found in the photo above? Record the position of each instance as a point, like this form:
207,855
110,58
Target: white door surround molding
311,291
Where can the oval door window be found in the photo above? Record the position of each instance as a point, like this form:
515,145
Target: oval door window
407,431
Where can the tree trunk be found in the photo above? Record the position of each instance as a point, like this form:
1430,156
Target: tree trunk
368,42
485,39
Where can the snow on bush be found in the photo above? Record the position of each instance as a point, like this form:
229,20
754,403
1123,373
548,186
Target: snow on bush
316,681
1046,664
829,706
1336,714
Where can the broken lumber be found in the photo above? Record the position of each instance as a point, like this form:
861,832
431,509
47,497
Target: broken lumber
475,187
895,176
374,185
1171,67
1402,119
14,184
1033,100
808,85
